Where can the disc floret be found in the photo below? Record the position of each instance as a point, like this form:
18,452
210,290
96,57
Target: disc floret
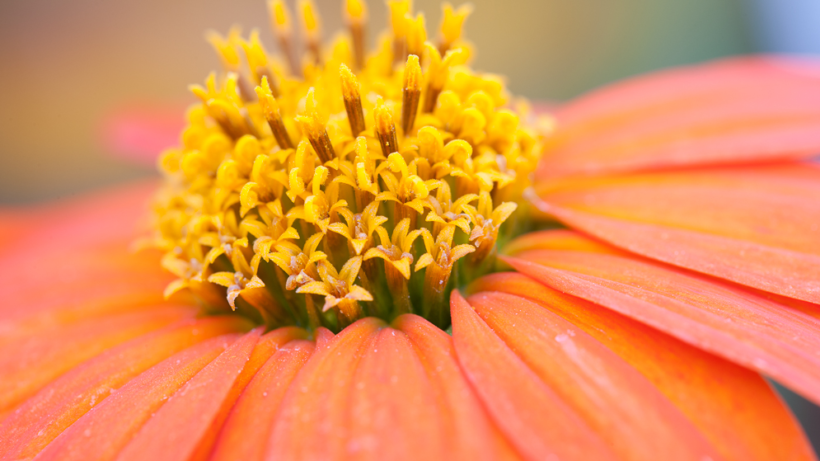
322,190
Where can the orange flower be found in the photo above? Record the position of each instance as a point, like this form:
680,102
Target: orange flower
682,265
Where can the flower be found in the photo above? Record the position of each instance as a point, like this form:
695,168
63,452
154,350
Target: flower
316,218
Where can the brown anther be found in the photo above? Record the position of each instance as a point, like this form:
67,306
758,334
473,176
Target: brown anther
314,128
431,98
353,100
385,129
273,116
411,93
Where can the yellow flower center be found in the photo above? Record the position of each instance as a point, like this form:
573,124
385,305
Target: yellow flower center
315,191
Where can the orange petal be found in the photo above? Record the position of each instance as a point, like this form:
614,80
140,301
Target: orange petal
265,348
557,239
392,405
709,314
733,407
617,402
731,111
245,433
102,432
313,418
470,434
757,226
534,418
174,431
29,363
43,417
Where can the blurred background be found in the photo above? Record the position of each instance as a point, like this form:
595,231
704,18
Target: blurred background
78,77
71,70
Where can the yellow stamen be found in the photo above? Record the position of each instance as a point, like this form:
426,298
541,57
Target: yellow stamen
411,93
271,110
311,25
452,23
438,72
356,14
399,9
416,35
282,25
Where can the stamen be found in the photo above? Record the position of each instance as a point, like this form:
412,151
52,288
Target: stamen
356,14
452,24
226,48
438,72
271,110
398,257
411,93
385,128
353,100
258,63
416,35
314,128
280,18
439,261
310,22
399,9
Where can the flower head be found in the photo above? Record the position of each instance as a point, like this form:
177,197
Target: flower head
357,271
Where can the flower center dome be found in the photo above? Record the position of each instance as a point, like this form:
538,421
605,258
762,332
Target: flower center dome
320,190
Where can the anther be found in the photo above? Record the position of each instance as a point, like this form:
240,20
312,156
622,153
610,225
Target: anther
353,100
314,128
411,93
272,115
385,128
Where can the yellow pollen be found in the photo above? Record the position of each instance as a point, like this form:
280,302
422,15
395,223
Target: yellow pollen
295,199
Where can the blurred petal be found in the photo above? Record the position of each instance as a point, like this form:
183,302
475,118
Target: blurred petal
757,226
102,432
176,428
264,349
709,314
733,407
557,239
44,416
470,433
140,133
730,111
616,401
28,363
535,419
